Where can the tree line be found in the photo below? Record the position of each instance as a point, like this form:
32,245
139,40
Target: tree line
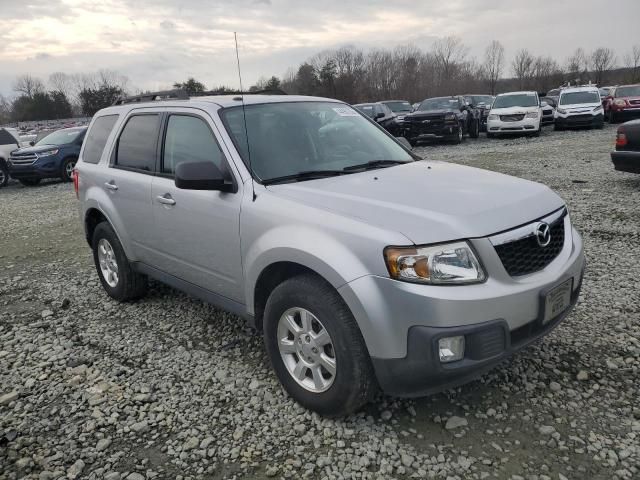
353,75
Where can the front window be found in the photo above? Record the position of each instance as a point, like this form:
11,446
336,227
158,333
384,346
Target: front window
287,139
61,137
399,107
632,91
444,103
577,98
519,100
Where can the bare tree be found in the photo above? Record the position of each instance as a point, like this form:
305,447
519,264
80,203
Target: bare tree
493,64
632,62
602,60
577,65
522,66
28,85
546,73
449,53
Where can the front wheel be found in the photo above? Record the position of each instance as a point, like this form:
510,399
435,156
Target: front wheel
29,182
4,175
316,348
117,276
67,169
459,136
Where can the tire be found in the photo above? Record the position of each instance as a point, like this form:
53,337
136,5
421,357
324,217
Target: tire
353,383
29,182
4,174
107,249
475,129
67,167
459,136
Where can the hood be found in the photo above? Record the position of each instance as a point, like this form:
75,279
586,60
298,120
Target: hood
513,110
427,201
580,107
431,112
38,149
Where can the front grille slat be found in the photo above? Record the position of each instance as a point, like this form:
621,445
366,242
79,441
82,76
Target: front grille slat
512,118
525,256
23,159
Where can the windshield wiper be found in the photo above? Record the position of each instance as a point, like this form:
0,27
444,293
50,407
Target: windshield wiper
374,164
305,175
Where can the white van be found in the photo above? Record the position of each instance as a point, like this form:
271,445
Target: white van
579,107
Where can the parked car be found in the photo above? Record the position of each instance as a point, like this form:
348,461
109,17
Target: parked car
554,94
383,115
622,102
579,107
54,156
362,266
626,156
605,91
9,141
483,104
399,107
515,112
442,118
548,108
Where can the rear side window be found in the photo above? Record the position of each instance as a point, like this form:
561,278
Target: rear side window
6,138
189,139
137,143
97,138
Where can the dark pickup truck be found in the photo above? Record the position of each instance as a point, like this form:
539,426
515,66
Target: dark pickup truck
626,157
442,118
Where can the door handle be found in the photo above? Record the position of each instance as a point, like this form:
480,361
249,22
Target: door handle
111,186
165,200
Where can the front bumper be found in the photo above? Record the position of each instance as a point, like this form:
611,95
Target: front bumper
401,322
436,131
522,126
626,161
41,168
583,120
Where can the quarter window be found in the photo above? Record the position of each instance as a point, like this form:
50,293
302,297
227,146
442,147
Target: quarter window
137,143
189,139
97,138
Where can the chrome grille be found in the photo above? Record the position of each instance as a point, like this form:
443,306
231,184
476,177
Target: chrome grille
512,118
23,159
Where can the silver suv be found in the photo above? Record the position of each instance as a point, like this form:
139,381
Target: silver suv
363,265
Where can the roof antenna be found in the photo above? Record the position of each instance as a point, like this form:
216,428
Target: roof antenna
244,117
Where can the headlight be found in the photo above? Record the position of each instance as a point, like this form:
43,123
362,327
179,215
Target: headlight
493,117
450,263
532,115
560,110
598,108
47,153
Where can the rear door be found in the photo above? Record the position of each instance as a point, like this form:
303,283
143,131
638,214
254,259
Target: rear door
129,178
196,234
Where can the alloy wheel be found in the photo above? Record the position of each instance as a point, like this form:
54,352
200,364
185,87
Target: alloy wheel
108,262
306,350
68,168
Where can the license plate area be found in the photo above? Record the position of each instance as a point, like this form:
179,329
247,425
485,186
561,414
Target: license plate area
557,300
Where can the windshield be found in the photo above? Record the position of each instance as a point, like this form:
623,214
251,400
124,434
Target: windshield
478,99
289,138
518,100
61,137
366,109
443,103
398,107
576,98
632,91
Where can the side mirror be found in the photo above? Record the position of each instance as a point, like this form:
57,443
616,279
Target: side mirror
32,143
200,176
378,116
405,143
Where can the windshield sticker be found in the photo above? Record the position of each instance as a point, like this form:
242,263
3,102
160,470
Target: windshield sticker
346,112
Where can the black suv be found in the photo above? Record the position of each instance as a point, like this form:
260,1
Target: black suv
383,115
442,118
482,103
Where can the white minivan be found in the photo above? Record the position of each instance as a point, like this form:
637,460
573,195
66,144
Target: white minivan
579,107
515,112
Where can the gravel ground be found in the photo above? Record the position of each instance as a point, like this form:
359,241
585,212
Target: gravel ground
171,388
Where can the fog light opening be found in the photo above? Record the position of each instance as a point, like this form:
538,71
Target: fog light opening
451,349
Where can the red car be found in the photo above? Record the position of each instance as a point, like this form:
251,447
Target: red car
622,101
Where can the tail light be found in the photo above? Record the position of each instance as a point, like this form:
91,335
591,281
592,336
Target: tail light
76,182
621,139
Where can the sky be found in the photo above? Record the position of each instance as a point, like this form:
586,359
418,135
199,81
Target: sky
157,42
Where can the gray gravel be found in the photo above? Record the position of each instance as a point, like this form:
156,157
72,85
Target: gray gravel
171,388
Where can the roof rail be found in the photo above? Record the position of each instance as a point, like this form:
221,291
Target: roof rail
275,91
153,97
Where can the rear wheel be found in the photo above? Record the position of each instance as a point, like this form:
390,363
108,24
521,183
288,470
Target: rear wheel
29,182
67,168
316,348
459,135
116,274
4,174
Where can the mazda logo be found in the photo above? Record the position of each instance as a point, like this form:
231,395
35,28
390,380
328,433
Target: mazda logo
543,234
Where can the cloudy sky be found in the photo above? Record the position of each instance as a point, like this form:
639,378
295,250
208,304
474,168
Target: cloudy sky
157,42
